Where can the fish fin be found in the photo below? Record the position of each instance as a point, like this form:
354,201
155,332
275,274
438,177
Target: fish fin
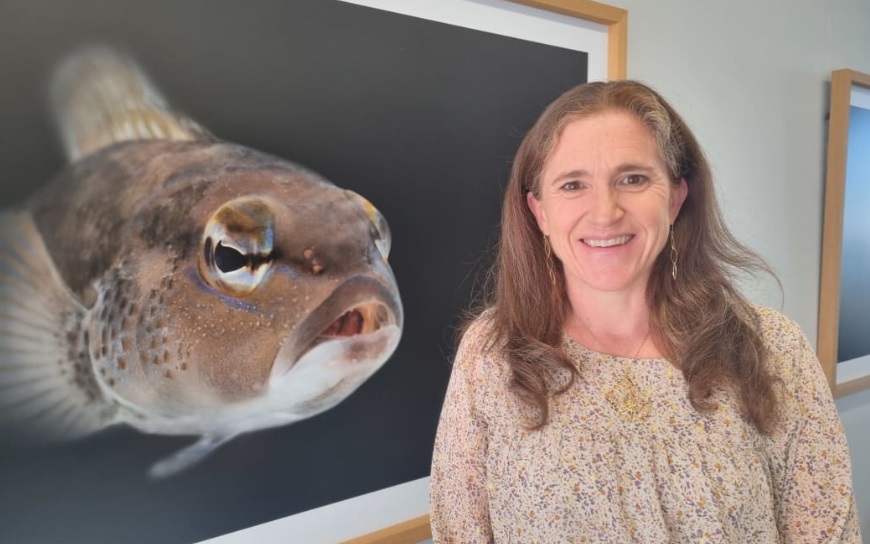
101,97
187,457
47,387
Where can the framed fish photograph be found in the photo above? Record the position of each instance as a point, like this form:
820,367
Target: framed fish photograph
844,305
238,243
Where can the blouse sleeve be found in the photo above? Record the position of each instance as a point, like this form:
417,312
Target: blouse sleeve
812,474
458,498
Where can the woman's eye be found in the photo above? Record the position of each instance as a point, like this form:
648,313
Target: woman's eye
571,186
634,179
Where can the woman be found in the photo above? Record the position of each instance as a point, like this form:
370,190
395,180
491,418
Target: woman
618,388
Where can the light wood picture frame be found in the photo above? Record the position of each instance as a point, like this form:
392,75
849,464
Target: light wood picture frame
616,21
850,374
614,18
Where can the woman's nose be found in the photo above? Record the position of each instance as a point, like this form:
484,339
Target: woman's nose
605,207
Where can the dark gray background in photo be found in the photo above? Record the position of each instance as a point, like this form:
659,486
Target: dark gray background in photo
854,335
421,118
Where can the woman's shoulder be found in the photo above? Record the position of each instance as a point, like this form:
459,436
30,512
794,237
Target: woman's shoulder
480,349
790,354
480,334
774,321
779,332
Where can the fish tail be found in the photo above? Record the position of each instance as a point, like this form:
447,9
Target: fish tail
101,97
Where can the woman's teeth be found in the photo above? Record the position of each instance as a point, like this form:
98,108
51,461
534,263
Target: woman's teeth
618,241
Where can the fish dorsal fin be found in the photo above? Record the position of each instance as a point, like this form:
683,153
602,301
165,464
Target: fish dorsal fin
48,390
101,97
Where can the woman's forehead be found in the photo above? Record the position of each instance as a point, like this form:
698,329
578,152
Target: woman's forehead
607,137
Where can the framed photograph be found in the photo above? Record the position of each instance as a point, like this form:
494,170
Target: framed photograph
844,305
418,106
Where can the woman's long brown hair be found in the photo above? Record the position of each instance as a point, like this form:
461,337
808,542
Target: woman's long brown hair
700,320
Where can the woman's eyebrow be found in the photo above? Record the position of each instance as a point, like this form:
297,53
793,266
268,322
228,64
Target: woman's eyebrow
631,167
621,169
571,174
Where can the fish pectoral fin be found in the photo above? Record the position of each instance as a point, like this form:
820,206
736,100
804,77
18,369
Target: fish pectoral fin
189,456
101,97
47,387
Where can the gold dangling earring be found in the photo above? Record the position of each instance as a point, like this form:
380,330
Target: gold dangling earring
549,251
673,255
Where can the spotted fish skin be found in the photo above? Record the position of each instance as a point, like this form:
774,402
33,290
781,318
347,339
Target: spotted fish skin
185,285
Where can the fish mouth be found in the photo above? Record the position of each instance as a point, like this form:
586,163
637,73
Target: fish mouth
363,319
354,318
367,318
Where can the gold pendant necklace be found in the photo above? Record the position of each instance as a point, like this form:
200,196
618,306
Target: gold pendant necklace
627,399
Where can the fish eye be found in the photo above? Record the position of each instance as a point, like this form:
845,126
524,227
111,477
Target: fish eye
380,230
238,244
228,259
381,234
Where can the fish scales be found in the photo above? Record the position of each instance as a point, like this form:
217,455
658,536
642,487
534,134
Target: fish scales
179,284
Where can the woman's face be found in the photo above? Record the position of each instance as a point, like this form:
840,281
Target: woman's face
606,202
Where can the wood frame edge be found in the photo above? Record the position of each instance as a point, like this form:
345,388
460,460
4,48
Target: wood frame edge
614,18
832,229
407,532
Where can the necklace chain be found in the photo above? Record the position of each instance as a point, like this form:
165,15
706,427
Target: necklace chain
600,343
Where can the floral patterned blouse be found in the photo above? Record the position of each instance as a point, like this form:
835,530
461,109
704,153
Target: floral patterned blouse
626,459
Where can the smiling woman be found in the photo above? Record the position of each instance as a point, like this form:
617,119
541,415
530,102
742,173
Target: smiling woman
619,390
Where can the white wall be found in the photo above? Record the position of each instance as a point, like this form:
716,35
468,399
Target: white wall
750,78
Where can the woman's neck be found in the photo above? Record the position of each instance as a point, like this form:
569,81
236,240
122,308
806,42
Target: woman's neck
616,323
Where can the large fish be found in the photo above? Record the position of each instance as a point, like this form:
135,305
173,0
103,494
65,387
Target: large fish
180,284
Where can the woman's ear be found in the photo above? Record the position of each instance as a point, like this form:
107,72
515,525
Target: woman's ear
678,196
538,211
